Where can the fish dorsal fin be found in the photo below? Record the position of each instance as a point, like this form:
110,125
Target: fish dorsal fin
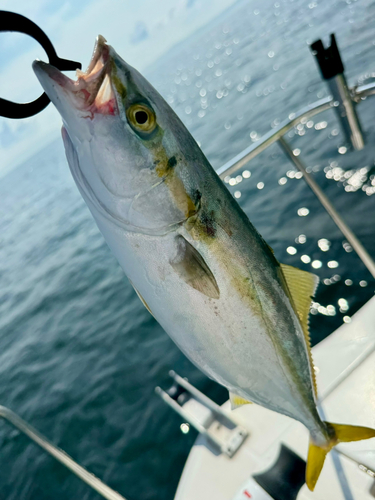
301,287
142,299
192,268
237,401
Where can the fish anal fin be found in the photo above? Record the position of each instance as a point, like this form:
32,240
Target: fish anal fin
301,287
340,433
191,267
237,401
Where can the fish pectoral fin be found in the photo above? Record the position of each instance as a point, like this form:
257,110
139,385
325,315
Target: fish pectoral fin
340,434
237,401
191,267
142,299
301,286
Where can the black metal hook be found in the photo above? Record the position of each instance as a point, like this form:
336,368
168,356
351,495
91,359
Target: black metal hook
10,21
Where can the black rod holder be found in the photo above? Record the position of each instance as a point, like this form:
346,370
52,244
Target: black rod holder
332,70
329,59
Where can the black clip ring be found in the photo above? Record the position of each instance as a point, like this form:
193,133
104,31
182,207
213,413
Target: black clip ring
9,21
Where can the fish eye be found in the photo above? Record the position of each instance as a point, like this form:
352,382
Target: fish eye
141,118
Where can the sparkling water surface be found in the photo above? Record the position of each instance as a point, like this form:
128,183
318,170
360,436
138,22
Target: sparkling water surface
79,354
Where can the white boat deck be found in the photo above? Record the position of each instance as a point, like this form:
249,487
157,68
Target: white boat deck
345,364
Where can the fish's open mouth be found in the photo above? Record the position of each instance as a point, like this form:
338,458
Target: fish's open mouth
92,91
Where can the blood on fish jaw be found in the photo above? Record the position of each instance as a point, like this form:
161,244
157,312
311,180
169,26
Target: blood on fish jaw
107,108
94,101
105,101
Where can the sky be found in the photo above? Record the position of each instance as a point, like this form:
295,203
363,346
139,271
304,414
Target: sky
139,30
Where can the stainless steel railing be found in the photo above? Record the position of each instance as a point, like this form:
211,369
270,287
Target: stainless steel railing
272,136
95,483
277,135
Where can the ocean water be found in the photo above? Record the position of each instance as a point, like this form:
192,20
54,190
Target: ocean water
79,354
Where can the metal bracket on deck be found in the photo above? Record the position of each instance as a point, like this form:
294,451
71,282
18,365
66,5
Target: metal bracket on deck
208,418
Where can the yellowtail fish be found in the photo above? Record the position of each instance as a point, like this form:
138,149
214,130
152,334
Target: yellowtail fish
194,258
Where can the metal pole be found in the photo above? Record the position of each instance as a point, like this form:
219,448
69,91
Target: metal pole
346,111
95,483
273,135
345,229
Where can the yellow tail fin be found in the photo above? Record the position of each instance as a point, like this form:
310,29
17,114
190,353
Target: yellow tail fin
317,454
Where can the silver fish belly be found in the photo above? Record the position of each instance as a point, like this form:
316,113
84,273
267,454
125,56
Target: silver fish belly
249,338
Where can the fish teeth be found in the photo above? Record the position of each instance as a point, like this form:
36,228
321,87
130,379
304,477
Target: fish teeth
100,43
105,92
95,72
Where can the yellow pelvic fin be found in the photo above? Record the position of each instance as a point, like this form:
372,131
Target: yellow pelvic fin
301,286
237,401
142,299
317,454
